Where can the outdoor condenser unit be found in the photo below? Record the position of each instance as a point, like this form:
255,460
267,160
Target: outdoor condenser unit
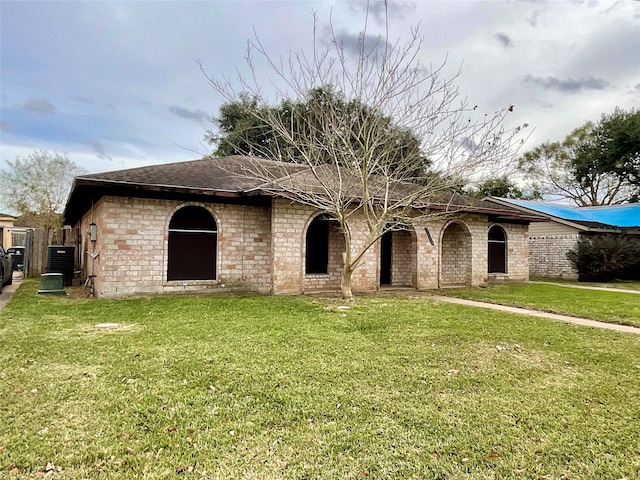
60,259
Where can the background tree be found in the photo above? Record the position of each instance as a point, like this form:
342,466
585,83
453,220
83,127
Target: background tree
502,187
351,117
242,130
37,186
582,169
615,148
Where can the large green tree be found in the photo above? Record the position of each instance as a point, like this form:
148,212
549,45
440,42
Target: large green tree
245,127
615,148
37,186
593,165
504,187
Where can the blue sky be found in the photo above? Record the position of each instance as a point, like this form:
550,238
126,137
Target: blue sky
116,84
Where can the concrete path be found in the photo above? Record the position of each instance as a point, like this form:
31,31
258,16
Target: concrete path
537,313
8,290
586,287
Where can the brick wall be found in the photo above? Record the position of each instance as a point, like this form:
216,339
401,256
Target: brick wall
456,253
517,237
548,256
262,249
403,259
330,280
132,245
427,254
289,222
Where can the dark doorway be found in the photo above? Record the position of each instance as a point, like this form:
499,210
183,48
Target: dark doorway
193,239
317,246
497,250
386,247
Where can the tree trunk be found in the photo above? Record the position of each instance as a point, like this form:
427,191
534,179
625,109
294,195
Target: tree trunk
345,283
345,279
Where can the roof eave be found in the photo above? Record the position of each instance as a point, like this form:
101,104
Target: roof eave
547,216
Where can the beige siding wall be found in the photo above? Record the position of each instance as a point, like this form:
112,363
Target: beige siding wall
550,228
6,230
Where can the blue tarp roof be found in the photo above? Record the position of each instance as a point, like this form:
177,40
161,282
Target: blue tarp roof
621,216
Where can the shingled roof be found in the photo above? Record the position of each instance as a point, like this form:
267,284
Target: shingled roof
224,174
224,177
227,179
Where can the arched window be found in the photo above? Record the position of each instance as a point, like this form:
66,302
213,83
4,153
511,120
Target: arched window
497,250
193,241
317,243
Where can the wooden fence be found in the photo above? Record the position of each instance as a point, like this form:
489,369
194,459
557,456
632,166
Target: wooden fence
36,244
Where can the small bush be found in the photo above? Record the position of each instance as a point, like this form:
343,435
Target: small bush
603,258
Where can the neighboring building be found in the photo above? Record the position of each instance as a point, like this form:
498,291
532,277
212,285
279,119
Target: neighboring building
551,240
6,230
207,225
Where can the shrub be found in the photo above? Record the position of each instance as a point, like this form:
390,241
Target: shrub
603,258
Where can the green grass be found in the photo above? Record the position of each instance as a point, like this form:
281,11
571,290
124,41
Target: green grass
292,388
617,284
611,307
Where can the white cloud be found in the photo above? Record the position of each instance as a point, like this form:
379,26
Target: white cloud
119,80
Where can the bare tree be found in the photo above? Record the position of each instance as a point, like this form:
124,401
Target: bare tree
37,186
351,166
569,170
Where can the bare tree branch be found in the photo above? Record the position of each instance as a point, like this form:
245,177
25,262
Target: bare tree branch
353,165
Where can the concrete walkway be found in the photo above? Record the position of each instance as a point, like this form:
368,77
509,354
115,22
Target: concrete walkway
8,290
587,287
537,313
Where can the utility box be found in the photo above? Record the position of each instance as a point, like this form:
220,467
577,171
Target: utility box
51,284
60,259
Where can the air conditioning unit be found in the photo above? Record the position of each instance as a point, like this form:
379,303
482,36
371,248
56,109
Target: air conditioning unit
60,259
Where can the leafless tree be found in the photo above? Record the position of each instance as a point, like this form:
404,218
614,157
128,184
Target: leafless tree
352,167
568,170
37,186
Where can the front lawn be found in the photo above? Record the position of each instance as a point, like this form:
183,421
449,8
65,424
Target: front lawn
624,284
612,307
290,388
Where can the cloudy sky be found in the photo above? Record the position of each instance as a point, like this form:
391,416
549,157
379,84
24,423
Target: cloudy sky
116,84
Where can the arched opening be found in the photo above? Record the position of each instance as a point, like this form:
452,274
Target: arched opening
497,253
193,245
324,245
398,262
317,246
456,257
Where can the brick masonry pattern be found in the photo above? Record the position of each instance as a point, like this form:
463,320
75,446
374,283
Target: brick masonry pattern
262,249
548,256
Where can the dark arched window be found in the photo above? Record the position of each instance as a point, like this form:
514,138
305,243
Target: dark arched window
193,241
317,243
497,250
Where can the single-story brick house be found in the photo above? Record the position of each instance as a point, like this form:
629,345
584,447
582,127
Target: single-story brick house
197,226
562,226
